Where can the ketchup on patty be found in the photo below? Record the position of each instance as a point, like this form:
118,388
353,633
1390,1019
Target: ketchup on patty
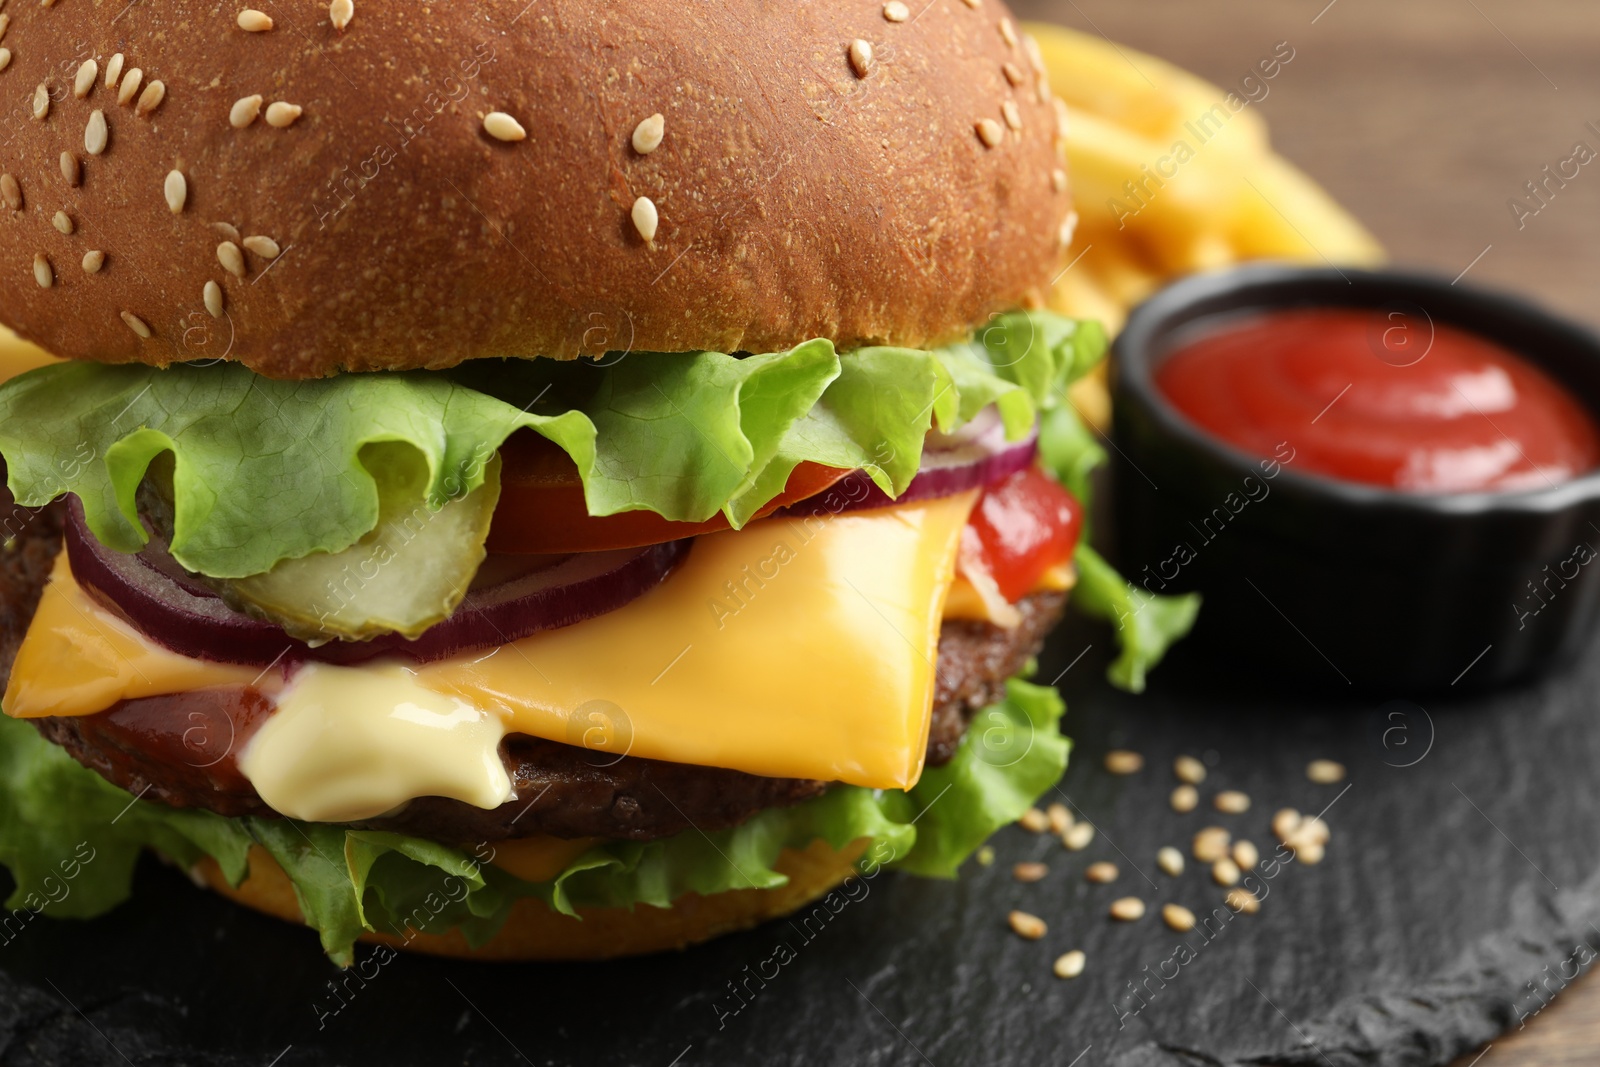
1383,398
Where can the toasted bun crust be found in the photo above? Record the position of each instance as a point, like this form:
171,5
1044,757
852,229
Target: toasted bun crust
534,932
796,198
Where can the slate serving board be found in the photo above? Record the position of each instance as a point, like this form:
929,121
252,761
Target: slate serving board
1461,888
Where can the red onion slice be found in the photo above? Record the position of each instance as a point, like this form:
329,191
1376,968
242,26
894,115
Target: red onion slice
184,615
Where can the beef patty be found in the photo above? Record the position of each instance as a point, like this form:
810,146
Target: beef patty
179,749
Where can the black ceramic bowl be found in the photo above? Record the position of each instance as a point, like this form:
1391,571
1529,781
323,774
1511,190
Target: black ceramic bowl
1331,583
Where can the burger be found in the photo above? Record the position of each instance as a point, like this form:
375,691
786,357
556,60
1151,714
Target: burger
533,481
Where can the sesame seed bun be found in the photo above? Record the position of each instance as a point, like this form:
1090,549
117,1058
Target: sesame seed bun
439,182
535,932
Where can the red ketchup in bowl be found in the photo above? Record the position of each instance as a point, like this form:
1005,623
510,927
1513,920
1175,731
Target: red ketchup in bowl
1382,398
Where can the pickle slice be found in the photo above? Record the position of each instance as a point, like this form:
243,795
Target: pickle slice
409,573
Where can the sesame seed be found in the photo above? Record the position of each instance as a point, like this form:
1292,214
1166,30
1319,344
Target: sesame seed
1122,761
151,98
84,81
1246,855
1024,925
1069,226
1231,802
265,247
5,58
1101,873
646,218
1309,852
1029,872
986,856
231,258
1063,116
176,189
5,24
861,57
1211,844
228,230
41,101
93,261
114,70
1325,771
130,86
340,12
972,3
1178,917
1284,823
96,135
64,223
648,134
244,111
503,127
11,192
1069,964
1170,860
212,296
1127,909
1078,836
1185,799
70,170
136,324
1225,872
1061,819
895,11
283,115
253,21
1242,901
1187,768
1012,72
1034,821
1058,182
1012,114
42,272
1008,32
1035,54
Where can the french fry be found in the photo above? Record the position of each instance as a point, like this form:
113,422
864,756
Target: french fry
1288,216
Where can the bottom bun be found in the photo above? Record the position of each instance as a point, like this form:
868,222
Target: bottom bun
535,932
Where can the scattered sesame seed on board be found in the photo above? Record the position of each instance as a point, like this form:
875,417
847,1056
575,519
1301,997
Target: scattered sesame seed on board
212,295
860,53
1029,871
1231,802
176,190
990,132
137,325
1308,851
340,12
1008,32
1178,917
70,170
895,11
1122,761
1101,873
1034,821
1325,771
1060,818
1225,872
1127,909
1078,836
96,134
114,70
646,219
1012,114
130,86
83,81
1314,829
41,102
42,272
1069,964
63,222
93,261
1185,798
1284,823
231,258
1242,901
244,111
253,21
1170,860
5,58
1246,855
1012,72
151,98
1211,844
11,192
647,136
986,856
503,127
283,115
1187,768
265,247
1029,926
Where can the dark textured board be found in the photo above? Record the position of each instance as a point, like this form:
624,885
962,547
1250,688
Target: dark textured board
1464,865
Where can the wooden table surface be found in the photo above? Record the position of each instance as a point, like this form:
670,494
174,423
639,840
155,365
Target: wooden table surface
1424,118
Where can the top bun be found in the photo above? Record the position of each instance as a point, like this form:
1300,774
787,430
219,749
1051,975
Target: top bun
868,172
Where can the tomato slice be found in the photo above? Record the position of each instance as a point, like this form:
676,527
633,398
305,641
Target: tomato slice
1025,524
542,510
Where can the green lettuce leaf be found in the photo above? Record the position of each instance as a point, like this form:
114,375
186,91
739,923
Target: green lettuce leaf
1146,624
70,839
